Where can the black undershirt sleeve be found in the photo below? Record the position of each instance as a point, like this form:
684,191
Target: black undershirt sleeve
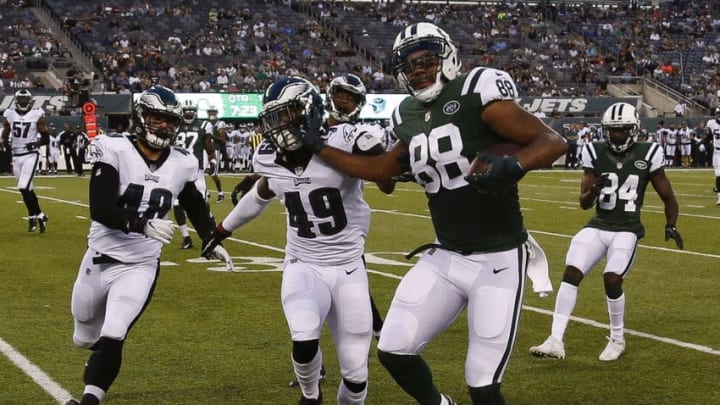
197,210
106,206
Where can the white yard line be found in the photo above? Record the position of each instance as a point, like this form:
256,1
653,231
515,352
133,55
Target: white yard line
31,370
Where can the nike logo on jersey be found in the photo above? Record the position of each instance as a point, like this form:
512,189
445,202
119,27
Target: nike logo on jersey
351,271
496,271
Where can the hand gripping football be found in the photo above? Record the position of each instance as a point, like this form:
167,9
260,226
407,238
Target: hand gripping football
499,149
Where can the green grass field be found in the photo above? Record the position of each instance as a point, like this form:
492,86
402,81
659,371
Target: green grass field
212,337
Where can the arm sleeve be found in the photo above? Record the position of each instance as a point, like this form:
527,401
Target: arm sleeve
197,210
247,209
104,207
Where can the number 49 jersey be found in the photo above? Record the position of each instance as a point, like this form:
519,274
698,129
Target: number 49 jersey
143,191
327,217
620,201
442,138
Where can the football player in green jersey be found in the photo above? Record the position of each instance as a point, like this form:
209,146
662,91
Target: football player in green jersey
192,138
617,172
479,259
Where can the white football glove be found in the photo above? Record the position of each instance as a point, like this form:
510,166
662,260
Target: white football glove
159,229
220,253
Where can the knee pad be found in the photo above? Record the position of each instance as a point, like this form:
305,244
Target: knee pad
355,387
304,352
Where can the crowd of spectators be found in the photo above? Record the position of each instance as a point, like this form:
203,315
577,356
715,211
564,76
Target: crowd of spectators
551,50
23,40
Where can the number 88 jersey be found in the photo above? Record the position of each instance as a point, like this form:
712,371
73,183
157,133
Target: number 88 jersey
620,201
442,138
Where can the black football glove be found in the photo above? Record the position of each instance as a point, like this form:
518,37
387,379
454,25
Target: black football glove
216,237
31,145
241,188
671,232
501,174
406,177
312,136
600,183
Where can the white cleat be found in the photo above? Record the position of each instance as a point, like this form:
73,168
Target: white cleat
551,347
613,350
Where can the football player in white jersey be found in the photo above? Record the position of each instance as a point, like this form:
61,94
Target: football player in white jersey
132,188
53,151
482,250
713,128
25,130
324,277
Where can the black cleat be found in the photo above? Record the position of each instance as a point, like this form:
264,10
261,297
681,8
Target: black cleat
294,383
220,197
187,243
310,401
42,222
32,224
71,402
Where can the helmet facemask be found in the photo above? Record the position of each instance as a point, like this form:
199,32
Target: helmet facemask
282,123
189,114
441,55
621,125
287,105
157,117
621,138
23,101
346,98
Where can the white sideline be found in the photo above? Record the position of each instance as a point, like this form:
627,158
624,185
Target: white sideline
60,394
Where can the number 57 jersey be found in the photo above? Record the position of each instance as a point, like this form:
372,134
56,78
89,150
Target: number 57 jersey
327,217
144,189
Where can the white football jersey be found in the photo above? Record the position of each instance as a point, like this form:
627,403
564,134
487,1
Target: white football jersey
144,190
327,217
23,129
713,126
54,141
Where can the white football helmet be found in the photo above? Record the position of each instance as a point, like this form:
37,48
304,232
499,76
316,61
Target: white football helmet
425,36
351,84
286,105
212,112
23,100
157,100
189,111
621,116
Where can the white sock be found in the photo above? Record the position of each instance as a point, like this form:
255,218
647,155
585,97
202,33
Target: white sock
564,306
347,397
308,375
184,230
96,391
616,309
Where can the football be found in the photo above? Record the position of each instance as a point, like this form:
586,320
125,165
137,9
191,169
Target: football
499,149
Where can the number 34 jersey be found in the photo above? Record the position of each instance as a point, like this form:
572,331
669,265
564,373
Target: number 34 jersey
620,201
327,217
143,191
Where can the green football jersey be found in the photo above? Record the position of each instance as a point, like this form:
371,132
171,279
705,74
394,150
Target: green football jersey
191,137
442,138
620,201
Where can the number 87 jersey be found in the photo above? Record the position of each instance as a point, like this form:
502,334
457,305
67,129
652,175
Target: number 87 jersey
619,203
